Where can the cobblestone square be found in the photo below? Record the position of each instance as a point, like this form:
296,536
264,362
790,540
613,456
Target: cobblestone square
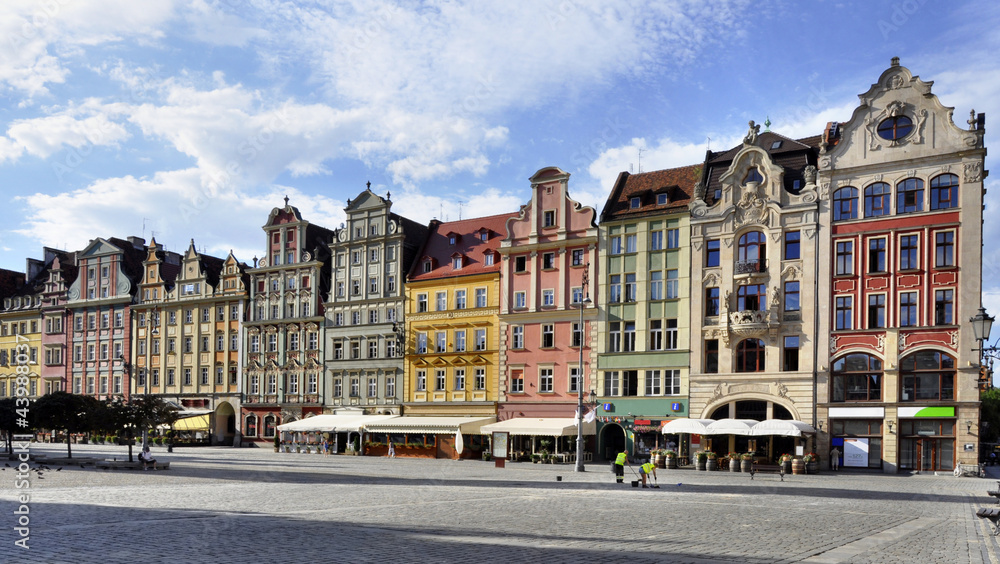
252,505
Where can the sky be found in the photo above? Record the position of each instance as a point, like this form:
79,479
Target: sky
192,119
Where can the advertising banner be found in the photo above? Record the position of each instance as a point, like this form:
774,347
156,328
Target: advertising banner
856,453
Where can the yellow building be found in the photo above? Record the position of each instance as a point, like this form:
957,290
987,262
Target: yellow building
187,331
20,332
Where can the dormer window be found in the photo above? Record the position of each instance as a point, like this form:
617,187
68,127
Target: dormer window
484,235
635,202
488,258
662,199
456,262
776,145
452,239
428,265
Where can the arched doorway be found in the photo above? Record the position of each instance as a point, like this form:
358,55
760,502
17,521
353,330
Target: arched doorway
613,440
224,424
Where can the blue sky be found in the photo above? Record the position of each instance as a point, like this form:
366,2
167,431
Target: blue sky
193,118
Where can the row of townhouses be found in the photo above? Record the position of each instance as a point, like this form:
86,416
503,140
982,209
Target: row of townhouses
826,280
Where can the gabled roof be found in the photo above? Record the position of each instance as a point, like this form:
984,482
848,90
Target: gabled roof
677,183
470,245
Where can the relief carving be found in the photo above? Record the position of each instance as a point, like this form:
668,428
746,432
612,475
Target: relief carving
973,172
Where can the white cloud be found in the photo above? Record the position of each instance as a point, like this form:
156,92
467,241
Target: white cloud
44,136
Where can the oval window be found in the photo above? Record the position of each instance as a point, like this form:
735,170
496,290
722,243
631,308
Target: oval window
894,128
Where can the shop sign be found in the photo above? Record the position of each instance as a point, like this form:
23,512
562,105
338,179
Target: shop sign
607,407
675,406
934,411
642,422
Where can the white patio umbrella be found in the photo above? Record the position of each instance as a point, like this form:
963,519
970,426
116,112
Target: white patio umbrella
685,425
782,427
731,427
459,442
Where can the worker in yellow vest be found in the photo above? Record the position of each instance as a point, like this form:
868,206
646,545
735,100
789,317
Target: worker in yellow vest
646,469
620,466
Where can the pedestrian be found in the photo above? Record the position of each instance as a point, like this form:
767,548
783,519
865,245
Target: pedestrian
645,470
619,465
392,450
326,446
993,459
147,458
835,459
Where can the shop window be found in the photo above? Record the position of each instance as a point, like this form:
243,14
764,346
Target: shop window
856,377
927,376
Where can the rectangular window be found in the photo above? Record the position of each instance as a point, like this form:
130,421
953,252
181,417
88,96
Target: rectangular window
628,343
630,287
441,301
516,382
711,302
845,313
944,249
421,303
908,258
459,379
548,261
712,356
548,298
630,243
545,380
612,383
372,348
373,284
577,257
206,314
654,383
712,252
615,245
944,302
576,295
577,337
615,289
480,339
656,335
187,376
672,382
519,300
792,296
480,297
459,299
517,337
548,336
355,387
421,343
615,336
372,387
876,255
390,284
845,258
440,341
655,285
460,340
673,285
390,387
671,335
338,388
480,383
876,311
204,376
656,240
673,238
421,380
908,309
439,380
792,245
791,354
520,263
549,218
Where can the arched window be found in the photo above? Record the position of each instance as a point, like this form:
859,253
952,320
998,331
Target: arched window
845,203
927,376
877,199
750,356
910,195
856,377
753,175
250,428
944,192
751,252
269,422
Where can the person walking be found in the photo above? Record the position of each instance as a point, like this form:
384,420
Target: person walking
645,470
620,462
392,450
835,459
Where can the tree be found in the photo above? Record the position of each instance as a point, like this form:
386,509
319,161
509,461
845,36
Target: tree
138,413
69,412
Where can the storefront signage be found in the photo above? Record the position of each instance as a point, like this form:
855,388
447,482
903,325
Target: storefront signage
857,412
642,422
500,444
969,447
856,453
675,406
607,407
939,411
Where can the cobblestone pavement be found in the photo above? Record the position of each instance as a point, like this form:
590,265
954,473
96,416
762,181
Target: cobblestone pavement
223,505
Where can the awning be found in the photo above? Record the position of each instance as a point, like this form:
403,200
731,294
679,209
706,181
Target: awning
192,423
730,427
782,427
332,423
544,426
431,425
686,425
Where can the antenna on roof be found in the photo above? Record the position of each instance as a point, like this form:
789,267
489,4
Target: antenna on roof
640,160
144,227
708,143
630,165
460,204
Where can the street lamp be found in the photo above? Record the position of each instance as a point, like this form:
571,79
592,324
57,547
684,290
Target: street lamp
579,380
982,323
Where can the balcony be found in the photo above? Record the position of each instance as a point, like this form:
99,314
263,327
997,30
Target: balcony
756,266
749,323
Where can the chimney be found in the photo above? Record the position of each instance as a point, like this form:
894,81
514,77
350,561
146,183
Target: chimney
137,242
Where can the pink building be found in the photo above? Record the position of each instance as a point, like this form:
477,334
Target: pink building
550,249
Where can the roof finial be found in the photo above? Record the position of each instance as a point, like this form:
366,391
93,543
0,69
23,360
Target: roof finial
895,61
286,200
767,123
368,185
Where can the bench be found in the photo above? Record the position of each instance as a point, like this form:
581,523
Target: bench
767,468
994,493
993,515
126,465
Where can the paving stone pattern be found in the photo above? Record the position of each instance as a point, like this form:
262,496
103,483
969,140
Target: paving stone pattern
223,505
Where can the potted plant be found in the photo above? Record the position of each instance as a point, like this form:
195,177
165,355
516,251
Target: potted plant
701,460
535,458
785,461
812,462
712,464
746,461
669,459
734,462
487,456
